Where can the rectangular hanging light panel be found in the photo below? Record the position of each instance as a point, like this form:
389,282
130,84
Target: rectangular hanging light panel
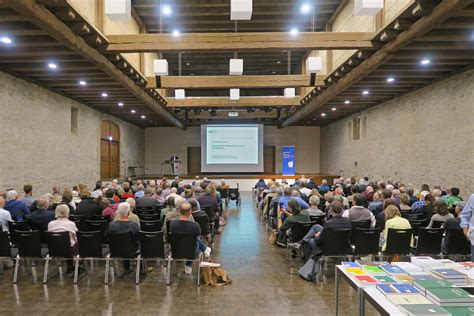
235,94
240,9
118,10
367,7
313,65
236,67
160,67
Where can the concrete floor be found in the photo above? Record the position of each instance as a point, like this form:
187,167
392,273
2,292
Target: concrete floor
262,284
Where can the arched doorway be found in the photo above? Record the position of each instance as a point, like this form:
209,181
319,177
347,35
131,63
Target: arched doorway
109,150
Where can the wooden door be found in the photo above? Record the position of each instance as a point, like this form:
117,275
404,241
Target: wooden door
109,150
269,157
194,160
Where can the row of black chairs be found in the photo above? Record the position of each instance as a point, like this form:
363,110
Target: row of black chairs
150,246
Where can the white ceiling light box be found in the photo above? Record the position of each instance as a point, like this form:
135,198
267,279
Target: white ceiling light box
289,92
118,10
235,94
160,67
313,65
179,94
236,67
240,9
367,7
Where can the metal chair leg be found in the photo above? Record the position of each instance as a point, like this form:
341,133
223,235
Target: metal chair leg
76,268
15,273
168,271
137,273
107,268
46,266
199,269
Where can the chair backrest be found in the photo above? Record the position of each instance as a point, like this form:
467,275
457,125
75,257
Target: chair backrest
96,217
149,217
366,241
398,241
224,192
98,226
29,243
89,244
416,224
150,209
13,227
359,224
203,222
151,226
5,248
79,220
414,216
207,209
59,245
437,224
152,244
429,241
275,208
183,246
336,242
457,242
122,245
299,230
318,219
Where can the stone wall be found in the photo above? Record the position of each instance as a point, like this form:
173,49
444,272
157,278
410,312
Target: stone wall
38,147
423,137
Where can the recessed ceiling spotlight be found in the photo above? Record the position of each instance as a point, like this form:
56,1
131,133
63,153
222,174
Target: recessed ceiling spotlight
5,40
166,10
333,109
294,31
323,114
390,79
52,66
425,61
120,104
278,61
188,64
104,94
143,117
192,74
133,111
82,83
365,92
273,72
347,102
305,8
176,33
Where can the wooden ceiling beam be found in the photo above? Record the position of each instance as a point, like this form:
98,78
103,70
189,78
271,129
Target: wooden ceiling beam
227,82
439,14
134,43
225,102
45,20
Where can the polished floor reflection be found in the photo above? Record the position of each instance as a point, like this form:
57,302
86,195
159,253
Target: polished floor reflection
262,284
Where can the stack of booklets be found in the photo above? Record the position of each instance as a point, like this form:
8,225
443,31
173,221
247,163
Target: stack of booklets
450,296
358,273
403,294
408,267
451,275
426,262
460,310
425,285
423,309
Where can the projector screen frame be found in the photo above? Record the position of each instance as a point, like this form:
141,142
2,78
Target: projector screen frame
231,168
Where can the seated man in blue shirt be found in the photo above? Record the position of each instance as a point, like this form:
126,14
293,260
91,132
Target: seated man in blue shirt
40,218
291,194
17,208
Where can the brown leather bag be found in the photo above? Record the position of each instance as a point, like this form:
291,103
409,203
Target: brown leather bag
214,276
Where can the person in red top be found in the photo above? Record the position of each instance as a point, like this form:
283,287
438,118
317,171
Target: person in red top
127,194
108,209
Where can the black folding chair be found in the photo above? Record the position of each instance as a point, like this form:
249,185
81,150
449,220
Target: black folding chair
318,219
429,241
13,227
101,226
96,217
359,224
398,241
298,231
150,226
366,241
183,248
152,247
273,214
89,247
336,244
149,217
437,224
457,243
122,246
29,247
79,220
205,225
59,247
146,209
5,248
416,224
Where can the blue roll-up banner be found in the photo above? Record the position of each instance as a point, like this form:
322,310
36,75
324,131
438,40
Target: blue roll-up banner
288,160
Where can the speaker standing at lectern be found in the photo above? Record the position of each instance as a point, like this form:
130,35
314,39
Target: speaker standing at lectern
175,163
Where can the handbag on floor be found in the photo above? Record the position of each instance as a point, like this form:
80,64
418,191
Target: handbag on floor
310,269
273,237
214,276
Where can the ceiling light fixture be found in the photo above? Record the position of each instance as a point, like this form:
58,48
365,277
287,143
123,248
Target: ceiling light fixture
133,111
347,102
278,61
333,109
82,83
305,8
294,31
52,66
365,92
390,79
5,40
323,114
176,33
143,117
166,10
120,104
105,95
425,61
188,64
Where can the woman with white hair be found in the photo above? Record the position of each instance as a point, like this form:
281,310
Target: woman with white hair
63,224
313,209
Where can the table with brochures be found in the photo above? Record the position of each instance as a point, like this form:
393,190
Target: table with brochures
424,286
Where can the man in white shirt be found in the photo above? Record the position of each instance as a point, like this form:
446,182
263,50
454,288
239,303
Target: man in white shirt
305,190
5,215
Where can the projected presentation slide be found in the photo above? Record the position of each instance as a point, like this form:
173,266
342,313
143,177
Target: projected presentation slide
232,145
